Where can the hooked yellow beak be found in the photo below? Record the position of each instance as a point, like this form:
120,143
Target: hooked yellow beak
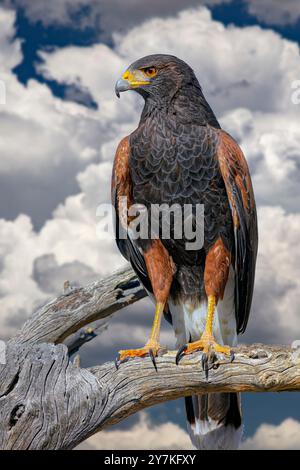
130,80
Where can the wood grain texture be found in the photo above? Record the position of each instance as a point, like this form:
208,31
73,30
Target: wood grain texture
78,307
59,404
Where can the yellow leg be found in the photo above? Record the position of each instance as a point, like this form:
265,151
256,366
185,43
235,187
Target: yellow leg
210,315
152,346
206,343
155,331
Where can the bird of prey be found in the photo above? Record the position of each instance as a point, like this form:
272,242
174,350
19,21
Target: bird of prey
180,155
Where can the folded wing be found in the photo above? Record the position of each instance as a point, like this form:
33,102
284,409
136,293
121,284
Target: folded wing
121,196
238,185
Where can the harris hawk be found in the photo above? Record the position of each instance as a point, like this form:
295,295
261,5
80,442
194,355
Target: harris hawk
180,155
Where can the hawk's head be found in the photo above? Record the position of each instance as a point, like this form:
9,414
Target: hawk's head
158,76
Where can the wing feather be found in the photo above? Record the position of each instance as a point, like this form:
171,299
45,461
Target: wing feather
122,187
239,189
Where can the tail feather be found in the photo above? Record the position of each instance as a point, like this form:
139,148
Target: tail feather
214,420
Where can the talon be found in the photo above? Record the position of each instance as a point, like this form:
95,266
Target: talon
232,356
208,361
151,354
205,364
180,353
117,361
211,356
204,361
151,349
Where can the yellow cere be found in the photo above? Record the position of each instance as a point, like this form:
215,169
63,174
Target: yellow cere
125,75
134,78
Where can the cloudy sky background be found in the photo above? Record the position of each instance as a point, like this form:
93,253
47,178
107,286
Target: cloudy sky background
60,126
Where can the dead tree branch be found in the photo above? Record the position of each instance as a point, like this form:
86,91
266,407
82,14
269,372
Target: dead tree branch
60,404
80,306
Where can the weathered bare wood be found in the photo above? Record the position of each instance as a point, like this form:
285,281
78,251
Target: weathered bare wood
46,402
72,310
60,405
256,368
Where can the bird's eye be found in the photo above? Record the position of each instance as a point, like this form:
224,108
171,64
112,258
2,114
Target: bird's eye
150,71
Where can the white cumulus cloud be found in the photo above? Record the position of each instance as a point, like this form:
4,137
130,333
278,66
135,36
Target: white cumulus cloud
107,16
143,435
285,436
104,15
275,12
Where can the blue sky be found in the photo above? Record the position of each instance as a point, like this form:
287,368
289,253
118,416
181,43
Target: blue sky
36,37
62,123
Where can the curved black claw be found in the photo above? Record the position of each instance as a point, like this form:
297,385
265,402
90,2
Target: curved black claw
180,353
204,361
208,362
151,354
117,361
232,356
